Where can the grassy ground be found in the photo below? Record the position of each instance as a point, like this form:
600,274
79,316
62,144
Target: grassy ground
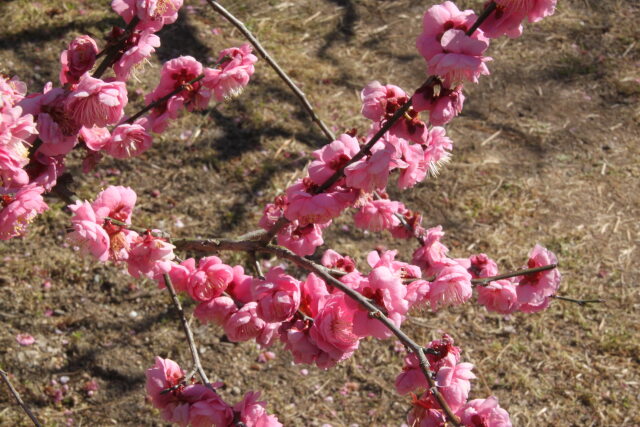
546,151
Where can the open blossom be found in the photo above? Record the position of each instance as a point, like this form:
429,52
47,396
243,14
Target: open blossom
373,172
378,100
443,102
18,209
309,208
244,324
139,46
241,286
453,382
128,140
88,232
432,253
332,259
332,330
332,157
509,14
378,215
451,287
149,256
115,202
278,296
210,279
216,310
233,74
499,296
482,266
535,290
95,138
413,167
302,240
12,90
484,413
96,102
77,59
178,274
153,14
461,58
437,149
253,413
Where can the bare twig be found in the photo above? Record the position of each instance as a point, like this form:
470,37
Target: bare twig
485,280
15,393
581,302
114,51
187,331
243,29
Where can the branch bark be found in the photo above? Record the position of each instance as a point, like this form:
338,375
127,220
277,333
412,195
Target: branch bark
16,395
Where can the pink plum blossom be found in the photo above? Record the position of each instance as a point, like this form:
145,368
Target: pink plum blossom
77,59
96,102
216,310
88,232
499,296
241,287
236,68
377,100
332,259
95,138
210,279
437,149
25,340
115,202
244,324
149,256
534,289
178,274
482,266
453,383
12,90
253,413
443,102
452,286
153,14
309,208
484,413
332,157
278,296
296,339
414,167
332,330
378,215
139,47
461,58
373,172
432,253
303,240
509,14
128,140
19,209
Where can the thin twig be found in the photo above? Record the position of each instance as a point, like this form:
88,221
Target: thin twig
187,331
581,302
15,393
484,280
113,52
243,29
488,10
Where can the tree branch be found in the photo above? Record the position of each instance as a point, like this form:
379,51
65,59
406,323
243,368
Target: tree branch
256,44
15,393
197,366
485,280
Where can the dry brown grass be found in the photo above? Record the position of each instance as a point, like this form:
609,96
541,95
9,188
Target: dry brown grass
561,169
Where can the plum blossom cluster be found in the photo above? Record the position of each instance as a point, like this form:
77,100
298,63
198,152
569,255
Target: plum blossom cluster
38,130
194,404
313,320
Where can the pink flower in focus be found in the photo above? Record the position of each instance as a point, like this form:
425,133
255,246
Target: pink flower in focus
96,102
482,266
432,253
253,413
12,90
141,46
77,59
95,138
414,167
453,382
17,210
534,289
377,99
485,413
278,296
309,208
244,324
437,149
25,339
179,275
332,157
241,285
88,232
509,14
499,296
149,256
461,58
210,279
451,287
234,74
332,329
128,140
216,310
443,102
303,240
153,14
371,174
115,202
378,215
295,337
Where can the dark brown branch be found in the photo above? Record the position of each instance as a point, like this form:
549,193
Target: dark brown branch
114,51
197,366
16,395
256,44
488,10
581,302
485,280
